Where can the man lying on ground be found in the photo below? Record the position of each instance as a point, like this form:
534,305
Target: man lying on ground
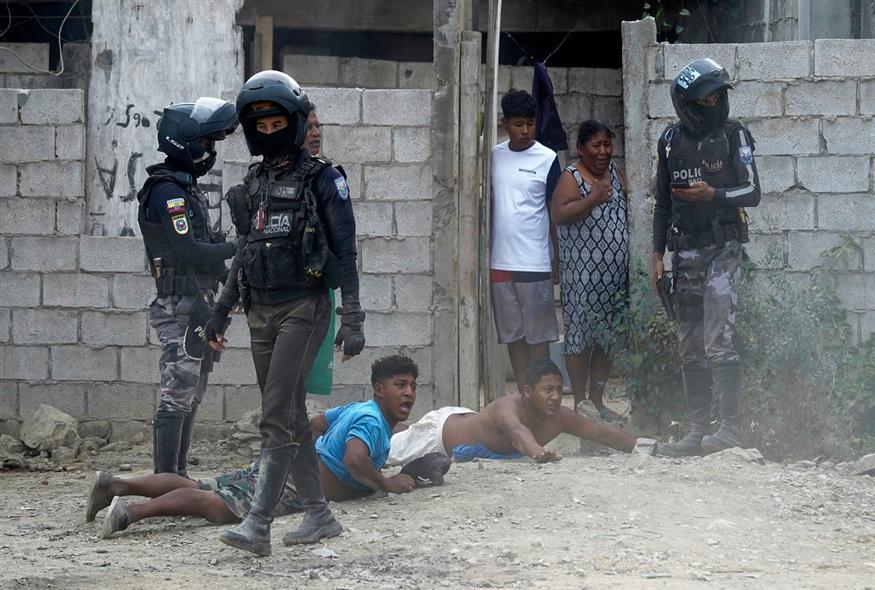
353,443
511,427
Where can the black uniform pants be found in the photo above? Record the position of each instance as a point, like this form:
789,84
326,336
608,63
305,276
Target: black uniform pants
285,340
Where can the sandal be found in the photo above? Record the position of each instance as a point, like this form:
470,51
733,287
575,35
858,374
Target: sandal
611,417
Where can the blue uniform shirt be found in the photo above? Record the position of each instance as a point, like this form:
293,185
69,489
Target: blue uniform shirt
361,420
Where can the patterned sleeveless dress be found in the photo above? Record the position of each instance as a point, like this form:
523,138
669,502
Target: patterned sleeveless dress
593,265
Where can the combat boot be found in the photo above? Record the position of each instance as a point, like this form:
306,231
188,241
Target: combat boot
167,435
253,534
697,383
727,382
318,521
185,443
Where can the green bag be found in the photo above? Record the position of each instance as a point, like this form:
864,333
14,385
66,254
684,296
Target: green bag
321,377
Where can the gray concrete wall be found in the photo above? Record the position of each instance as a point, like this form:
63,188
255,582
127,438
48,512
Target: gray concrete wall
809,106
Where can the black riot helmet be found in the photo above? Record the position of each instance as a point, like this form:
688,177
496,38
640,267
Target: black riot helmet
182,126
701,78
271,93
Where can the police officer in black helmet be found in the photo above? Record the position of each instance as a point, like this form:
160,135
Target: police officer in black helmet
706,176
186,259
296,216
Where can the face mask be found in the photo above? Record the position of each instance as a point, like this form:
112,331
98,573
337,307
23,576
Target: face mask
205,165
273,145
713,117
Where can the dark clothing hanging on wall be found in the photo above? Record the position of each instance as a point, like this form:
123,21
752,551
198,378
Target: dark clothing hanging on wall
549,130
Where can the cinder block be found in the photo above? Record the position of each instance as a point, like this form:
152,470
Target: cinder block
845,212
81,363
572,108
756,99
70,142
67,397
867,326
411,144
397,107
239,400
117,401
52,179
356,371
413,292
24,362
101,328
8,180
844,58
27,216
30,55
376,292
870,292
595,81
521,77
5,324
8,400
20,289
867,97
783,136
311,70
212,407
235,368
789,211
4,253
851,289
132,291
608,110
678,55
44,326
413,218
399,329
357,144
777,173
354,180
655,63
368,73
233,149
8,105
337,106
238,332
417,74
75,290
869,253
849,135
659,101
140,365
805,250
559,79
405,255
394,183
53,106
111,254
27,144
373,218
774,61
834,174
44,254
822,97
68,217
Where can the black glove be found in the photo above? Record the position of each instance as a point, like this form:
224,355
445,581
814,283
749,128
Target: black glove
216,323
350,333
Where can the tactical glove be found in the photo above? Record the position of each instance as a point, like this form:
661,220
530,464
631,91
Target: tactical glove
216,323
350,334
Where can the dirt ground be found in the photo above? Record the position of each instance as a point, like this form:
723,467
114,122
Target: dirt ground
617,521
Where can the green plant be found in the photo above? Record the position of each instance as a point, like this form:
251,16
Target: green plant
669,15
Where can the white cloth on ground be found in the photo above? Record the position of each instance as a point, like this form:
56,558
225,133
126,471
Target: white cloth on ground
423,437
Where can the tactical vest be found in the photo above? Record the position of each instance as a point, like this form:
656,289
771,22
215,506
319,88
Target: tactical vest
172,277
707,158
286,253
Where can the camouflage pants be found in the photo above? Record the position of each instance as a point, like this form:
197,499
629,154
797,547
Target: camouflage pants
237,489
706,294
179,374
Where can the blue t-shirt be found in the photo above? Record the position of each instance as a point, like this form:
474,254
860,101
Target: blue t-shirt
361,420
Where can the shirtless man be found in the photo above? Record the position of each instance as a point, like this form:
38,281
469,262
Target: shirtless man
514,426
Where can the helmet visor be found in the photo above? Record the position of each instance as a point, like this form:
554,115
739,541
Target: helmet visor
216,117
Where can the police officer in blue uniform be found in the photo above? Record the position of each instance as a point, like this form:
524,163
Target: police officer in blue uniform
296,216
186,259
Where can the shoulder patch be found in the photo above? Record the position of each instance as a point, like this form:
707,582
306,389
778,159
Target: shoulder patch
176,205
180,224
342,187
745,154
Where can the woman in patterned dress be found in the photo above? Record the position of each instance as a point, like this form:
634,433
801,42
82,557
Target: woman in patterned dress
590,210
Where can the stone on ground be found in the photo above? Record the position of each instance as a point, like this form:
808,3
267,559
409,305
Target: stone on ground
9,445
49,428
866,465
736,455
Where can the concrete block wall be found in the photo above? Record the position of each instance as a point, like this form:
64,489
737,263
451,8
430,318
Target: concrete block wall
382,138
809,107
15,72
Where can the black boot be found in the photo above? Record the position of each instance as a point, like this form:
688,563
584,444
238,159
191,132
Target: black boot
185,442
167,434
318,521
727,383
697,384
253,534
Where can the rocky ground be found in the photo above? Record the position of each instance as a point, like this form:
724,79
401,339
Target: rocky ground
617,521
